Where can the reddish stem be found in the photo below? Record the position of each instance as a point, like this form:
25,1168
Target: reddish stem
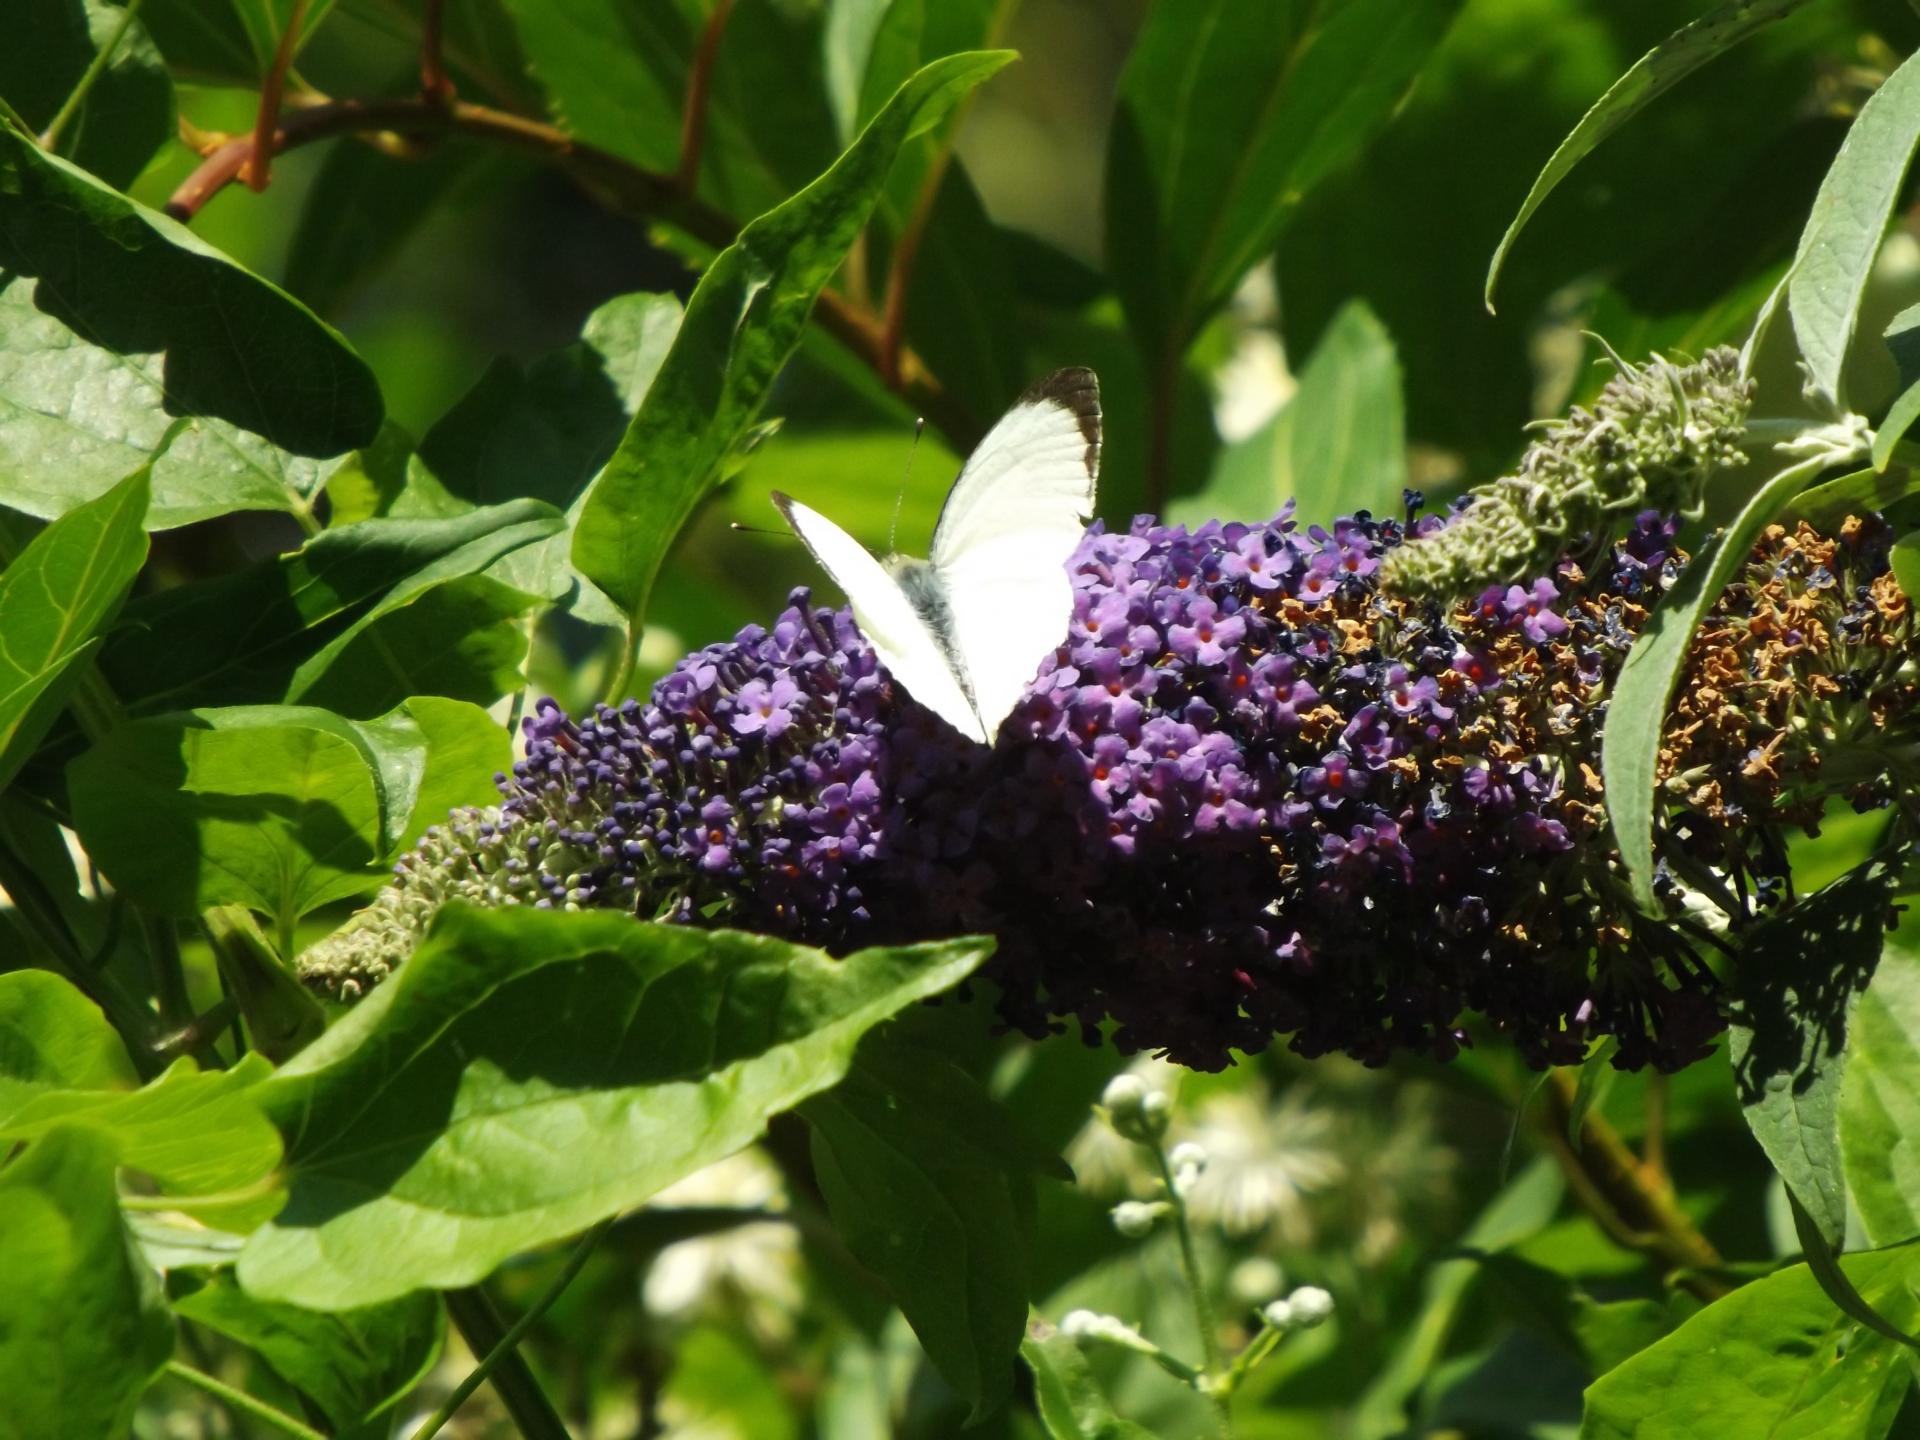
693,112
272,89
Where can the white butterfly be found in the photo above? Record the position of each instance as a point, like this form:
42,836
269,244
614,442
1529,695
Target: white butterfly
966,629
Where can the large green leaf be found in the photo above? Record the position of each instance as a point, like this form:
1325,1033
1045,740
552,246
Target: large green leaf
741,324
82,1325
1775,1358
128,111
268,807
200,1136
1231,111
1338,445
353,1364
1843,232
1796,984
54,598
1652,75
1637,710
227,41
526,1073
1880,1099
117,320
930,1186
244,637
53,1038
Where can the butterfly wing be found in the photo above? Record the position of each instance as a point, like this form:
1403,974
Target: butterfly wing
902,639
1010,524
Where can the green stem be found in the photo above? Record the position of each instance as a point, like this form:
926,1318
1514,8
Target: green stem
618,677
1197,1289
169,973
512,1380
50,137
244,1403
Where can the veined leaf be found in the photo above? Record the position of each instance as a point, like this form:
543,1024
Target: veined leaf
128,111
1071,1403
1652,75
1843,232
743,321
1880,1099
527,1073
53,1038
54,598
118,320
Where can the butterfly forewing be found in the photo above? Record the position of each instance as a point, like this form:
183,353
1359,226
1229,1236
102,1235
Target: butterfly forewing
903,640
1008,528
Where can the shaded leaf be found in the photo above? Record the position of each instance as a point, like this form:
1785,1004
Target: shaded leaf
82,1325
1651,76
54,598
1773,1358
352,1364
741,324
128,112
1298,88
424,1129
118,320
1880,1098
1843,232
1796,984
53,1038
245,637
1637,711
226,41
930,1188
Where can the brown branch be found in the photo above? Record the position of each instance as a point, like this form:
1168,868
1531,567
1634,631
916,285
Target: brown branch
693,112
621,184
1631,1201
436,87
272,88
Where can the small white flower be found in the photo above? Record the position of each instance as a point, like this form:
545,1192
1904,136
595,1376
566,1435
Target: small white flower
1309,1306
1135,1218
1108,1329
1277,1313
1136,1110
1186,1162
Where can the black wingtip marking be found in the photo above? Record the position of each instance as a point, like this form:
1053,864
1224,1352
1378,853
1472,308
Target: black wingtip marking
1077,391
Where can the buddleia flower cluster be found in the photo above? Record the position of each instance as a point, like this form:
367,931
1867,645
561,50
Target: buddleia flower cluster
1654,437
1253,794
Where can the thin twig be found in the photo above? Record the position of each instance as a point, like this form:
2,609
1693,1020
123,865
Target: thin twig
693,110
624,186
436,88
513,1381
70,107
272,88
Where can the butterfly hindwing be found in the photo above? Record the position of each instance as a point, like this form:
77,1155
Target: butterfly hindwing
1010,524
899,634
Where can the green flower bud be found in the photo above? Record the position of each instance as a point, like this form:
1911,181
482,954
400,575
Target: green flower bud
1656,434
1135,1111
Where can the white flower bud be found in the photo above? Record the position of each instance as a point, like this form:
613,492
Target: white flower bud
1309,1306
1108,1329
1134,1110
1277,1313
1255,1279
1187,1161
1135,1218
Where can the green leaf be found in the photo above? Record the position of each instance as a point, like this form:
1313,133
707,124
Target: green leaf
424,1128
52,1038
1892,430
353,1364
930,1188
434,754
1072,1406
227,41
743,321
200,1136
1843,232
1599,1335
1795,986
117,321
268,807
1637,710
1873,489
1906,564
128,111
1774,1358
1230,111
1880,1098
82,1325
248,636
1651,76
54,598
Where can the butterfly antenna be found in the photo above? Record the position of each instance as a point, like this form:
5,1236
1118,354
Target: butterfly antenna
901,495
760,530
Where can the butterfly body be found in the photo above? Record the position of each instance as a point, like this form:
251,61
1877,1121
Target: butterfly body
965,630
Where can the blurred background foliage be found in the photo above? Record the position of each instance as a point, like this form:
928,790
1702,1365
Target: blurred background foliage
1283,299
